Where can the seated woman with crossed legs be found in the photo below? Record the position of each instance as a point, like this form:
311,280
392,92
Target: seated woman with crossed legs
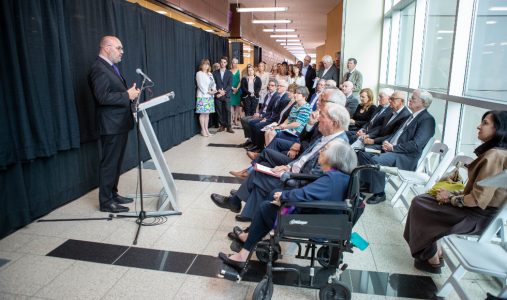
464,212
337,159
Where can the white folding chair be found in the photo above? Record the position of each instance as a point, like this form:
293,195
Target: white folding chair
437,154
482,256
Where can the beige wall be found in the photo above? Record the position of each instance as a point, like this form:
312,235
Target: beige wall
363,38
333,41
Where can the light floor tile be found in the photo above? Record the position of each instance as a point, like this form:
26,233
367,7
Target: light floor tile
41,245
184,239
196,287
201,218
83,280
15,241
146,284
29,273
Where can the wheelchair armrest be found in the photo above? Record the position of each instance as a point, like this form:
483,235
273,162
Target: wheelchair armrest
298,176
319,204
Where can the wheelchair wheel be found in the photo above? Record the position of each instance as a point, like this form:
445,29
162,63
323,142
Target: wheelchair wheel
323,255
262,252
334,291
263,290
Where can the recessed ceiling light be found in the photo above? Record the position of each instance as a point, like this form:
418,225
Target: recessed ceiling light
284,35
290,44
271,21
189,23
287,40
162,12
279,30
209,30
261,9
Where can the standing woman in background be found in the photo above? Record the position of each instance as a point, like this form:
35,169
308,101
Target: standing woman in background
206,88
296,76
264,76
236,92
250,88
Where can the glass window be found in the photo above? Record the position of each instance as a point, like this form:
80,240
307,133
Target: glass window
471,118
438,45
437,110
405,45
487,77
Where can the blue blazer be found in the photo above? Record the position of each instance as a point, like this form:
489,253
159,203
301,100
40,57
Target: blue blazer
332,186
387,130
271,105
278,107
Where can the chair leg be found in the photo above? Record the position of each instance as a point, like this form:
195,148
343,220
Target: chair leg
453,282
399,192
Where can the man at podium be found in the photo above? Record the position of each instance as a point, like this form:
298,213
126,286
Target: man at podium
113,102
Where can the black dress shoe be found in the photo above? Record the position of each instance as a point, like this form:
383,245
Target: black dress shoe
376,198
223,202
234,234
114,208
233,192
248,143
425,266
238,265
240,218
122,200
252,148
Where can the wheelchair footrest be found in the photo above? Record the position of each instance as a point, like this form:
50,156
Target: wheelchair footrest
229,273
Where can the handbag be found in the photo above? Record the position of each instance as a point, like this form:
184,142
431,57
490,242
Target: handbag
451,182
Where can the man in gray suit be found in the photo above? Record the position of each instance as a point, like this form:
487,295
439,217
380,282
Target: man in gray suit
354,76
223,80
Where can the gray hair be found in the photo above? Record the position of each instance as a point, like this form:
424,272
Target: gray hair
283,82
336,96
303,90
234,60
386,91
341,156
330,82
425,97
327,59
339,114
273,80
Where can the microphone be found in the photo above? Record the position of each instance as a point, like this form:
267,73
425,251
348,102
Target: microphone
138,71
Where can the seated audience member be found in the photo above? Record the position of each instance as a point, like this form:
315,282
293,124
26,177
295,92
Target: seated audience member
268,104
463,212
257,136
330,83
383,110
280,151
399,114
364,111
295,122
321,85
337,160
250,88
352,101
332,121
403,148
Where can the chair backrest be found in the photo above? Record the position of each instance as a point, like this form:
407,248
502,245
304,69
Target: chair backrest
497,224
447,165
421,164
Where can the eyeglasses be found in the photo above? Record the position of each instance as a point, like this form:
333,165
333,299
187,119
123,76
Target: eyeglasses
394,98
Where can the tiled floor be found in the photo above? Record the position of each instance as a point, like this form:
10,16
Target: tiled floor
38,261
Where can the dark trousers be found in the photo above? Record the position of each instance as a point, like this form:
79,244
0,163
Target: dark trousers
113,149
258,135
262,223
247,123
375,179
223,109
250,105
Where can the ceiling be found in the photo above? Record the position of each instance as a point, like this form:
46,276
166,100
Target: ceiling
309,18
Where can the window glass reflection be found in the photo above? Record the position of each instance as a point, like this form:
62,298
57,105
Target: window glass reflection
470,120
405,45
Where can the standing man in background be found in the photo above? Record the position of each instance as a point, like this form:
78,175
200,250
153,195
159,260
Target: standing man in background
308,73
113,99
223,80
353,76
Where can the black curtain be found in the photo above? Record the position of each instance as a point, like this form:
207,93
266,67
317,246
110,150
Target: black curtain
48,135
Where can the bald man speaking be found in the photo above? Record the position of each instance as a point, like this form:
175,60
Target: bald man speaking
113,101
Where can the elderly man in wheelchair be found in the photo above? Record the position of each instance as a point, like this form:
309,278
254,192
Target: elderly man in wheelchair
320,212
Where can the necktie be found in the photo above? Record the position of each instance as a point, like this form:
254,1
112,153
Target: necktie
296,167
378,114
266,102
392,117
348,76
115,68
396,136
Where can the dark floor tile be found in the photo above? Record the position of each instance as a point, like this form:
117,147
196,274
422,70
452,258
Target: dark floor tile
205,265
3,262
224,145
156,260
206,178
88,251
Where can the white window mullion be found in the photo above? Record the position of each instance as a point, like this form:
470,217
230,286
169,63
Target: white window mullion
417,43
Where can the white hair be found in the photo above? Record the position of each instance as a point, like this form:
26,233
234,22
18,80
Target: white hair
386,91
341,156
339,114
327,59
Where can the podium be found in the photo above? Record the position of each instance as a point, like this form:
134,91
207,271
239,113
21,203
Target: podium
167,198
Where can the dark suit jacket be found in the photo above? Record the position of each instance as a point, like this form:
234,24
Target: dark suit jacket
225,84
278,107
388,129
111,97
351,104
271,105
413,139
309,77
379,120
332,73
244,87
320,190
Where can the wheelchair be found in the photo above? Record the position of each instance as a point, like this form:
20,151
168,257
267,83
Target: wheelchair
332,232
